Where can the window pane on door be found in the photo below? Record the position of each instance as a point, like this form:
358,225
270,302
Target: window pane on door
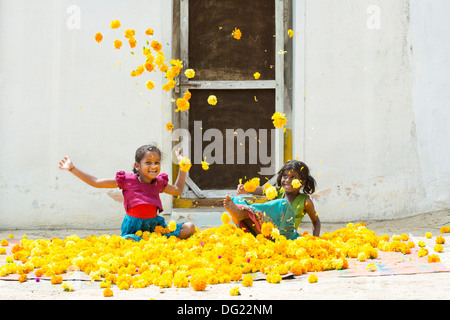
241,119
216,55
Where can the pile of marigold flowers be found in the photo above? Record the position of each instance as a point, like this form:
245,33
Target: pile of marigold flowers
209,257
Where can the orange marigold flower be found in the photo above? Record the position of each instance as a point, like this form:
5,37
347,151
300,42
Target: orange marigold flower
169,126
98,37
156,45
23,277
117,44
132,42
187,95
266,228
433,258
237,34
56,279
108,293
440,240
149,32
251,185
182,104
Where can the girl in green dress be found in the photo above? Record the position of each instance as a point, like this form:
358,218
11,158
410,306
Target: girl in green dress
287,218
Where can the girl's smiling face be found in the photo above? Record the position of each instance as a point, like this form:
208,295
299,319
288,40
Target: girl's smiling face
286,180
149,167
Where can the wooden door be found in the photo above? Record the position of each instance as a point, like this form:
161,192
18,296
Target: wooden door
237,135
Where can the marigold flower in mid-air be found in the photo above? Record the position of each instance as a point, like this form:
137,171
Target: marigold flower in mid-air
212,100
132,42
290,33
172,226
115,24
98,37
257,75
237,34
205,165
149,32
296,183
266,228
185,164
182,104
150,85
271,192
251,185
169,126
279,120
190,73
117,44
156,45
226,219
130,33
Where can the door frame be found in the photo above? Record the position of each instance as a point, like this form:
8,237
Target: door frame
192,194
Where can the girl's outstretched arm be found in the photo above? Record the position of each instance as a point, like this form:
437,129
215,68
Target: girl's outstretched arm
177,189
66,164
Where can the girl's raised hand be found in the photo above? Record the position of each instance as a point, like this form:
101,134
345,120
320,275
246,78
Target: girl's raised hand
66,164
179,155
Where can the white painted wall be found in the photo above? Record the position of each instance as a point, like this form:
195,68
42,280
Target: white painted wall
372,106
60,93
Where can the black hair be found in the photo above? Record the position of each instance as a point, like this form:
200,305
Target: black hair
302,169
141,152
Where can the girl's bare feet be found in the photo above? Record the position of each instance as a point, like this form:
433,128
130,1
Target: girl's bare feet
236,213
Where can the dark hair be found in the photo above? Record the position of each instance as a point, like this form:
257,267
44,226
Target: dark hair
302,169
141,152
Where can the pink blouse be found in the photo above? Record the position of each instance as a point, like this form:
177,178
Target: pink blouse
136,192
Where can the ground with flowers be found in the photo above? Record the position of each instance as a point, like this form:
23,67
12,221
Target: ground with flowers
415,286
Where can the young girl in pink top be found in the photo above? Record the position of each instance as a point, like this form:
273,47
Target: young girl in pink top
141,191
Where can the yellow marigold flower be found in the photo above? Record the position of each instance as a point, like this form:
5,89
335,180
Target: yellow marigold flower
266,228
117,44
422,252
11,236
279,120
130,33
185,164
296,183
115,24
445,229
371,267
190,73
428,235
237,34
290,33
169,85
212,100
205,165
421,244
149,32
172,226
66,286
2,250
362,257
273,277
440,240
198,282
251,185
156,45
98,37
247,281
235,291
433,258
312,278
257,75
150,85
108,293
271,193
182,104
4,242
226,219
169,126
438,248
